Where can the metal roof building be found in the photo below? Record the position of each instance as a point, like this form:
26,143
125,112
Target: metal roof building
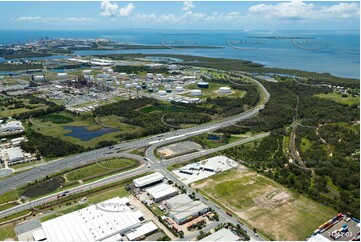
221,235
113,217
161,192
143,230
184,209
148,180
14,154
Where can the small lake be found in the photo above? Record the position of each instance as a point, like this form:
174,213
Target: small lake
43,188
81,132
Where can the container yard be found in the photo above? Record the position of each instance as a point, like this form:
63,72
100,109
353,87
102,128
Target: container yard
342,227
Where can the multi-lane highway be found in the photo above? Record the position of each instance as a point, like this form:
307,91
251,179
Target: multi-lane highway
90,156
151,164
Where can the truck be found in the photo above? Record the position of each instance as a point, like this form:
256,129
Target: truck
63,194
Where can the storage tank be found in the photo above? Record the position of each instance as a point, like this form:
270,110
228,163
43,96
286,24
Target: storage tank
196,92
179,89
62,74
224,90
203,84
162,92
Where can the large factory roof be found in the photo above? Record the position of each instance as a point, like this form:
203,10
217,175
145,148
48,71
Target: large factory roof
96,222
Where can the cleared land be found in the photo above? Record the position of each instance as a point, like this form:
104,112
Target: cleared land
349,100
266,205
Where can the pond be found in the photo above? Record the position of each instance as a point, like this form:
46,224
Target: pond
84,134
214,137
43,188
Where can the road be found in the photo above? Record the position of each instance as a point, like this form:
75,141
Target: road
148,165
38,173
152,164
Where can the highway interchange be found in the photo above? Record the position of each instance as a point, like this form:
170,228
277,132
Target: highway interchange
151,163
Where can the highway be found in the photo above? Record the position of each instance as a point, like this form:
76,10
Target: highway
148,165
151,164
40,172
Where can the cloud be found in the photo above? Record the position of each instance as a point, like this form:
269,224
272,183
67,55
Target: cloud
127,10
298,10
187,5
38,19
109,9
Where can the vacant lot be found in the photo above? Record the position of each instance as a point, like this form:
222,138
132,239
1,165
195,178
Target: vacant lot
265,204
349,100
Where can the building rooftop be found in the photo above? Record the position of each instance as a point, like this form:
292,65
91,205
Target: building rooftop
318,238
146,228
95,222
161,190
149,179
14,153
221,235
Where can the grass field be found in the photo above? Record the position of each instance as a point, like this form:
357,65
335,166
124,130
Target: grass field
7,231
305,144
265,204
101,169
349,100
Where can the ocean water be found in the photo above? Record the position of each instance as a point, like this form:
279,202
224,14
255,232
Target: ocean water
335,52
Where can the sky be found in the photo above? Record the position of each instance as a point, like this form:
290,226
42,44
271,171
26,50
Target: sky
235,15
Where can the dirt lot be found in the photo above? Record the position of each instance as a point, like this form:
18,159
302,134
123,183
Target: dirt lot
265,204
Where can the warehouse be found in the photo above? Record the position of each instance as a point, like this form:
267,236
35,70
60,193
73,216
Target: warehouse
161,192
183,209
221,235
142,231
148,180
12,126
14,154
110,219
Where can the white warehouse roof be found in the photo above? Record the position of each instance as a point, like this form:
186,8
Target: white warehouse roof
95,222
14,154
146,228
161,190
221,235
149,179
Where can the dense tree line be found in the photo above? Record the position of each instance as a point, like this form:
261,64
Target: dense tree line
49,146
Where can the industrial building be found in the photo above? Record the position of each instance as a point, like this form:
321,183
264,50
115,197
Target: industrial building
148,180
14,154
183,209
221,235
109,220
12,126
161,192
